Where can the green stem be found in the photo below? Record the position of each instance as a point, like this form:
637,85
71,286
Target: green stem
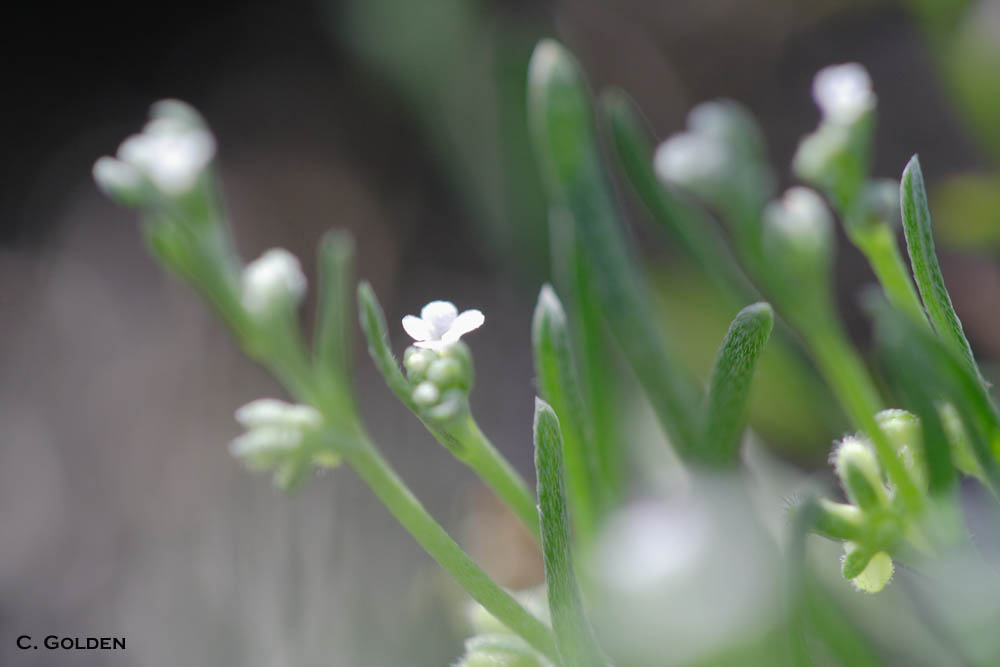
878,243
479,454
404,506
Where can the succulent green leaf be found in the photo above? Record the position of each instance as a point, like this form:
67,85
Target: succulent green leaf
558,384
724,413
566,146
926,269
574,636
377,334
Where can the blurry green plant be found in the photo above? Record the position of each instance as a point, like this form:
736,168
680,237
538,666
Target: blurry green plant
639,572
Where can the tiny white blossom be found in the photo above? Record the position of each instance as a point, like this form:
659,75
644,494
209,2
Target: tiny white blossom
441,325
274,276
843,92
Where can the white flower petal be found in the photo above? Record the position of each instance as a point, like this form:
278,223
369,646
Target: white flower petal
470,320
439,315
417,328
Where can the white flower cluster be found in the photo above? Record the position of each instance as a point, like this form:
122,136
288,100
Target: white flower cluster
169,155
802,218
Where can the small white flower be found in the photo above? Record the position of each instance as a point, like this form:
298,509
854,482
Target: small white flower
274,276
440,324
843,92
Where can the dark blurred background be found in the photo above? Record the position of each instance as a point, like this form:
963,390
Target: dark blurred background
121,512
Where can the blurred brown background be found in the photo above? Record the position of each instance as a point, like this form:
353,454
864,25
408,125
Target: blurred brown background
121,512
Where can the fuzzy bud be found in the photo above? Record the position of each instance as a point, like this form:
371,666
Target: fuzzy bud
858,471
270,281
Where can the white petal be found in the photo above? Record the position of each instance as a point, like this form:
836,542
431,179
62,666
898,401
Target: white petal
469,320
843,92
416,328
439,315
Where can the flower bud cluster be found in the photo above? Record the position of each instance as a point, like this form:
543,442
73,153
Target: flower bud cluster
720,157
870,525
281,436
164,161
834,158
441,379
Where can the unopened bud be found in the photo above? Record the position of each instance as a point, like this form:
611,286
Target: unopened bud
869,572
858,471
838,521
798,234
416,361
426,394
904,432
843,93
272,280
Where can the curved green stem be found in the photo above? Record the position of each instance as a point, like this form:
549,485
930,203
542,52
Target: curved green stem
479,454
878,244
404,506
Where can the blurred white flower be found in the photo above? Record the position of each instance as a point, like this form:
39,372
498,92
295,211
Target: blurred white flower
802,219
440,324
266,412
693,160
274,430
272,278
170,153
119,180
843,92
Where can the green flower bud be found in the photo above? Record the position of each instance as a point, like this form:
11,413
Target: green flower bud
906,436
445,373
838,521
858,471
426,394
869,572
280,435
416,361
798,242
272,282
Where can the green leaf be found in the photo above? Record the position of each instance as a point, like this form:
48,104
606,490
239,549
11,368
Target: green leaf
377,334
566,146
693,229
558,384
724,413
574,636
926,270
332,338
